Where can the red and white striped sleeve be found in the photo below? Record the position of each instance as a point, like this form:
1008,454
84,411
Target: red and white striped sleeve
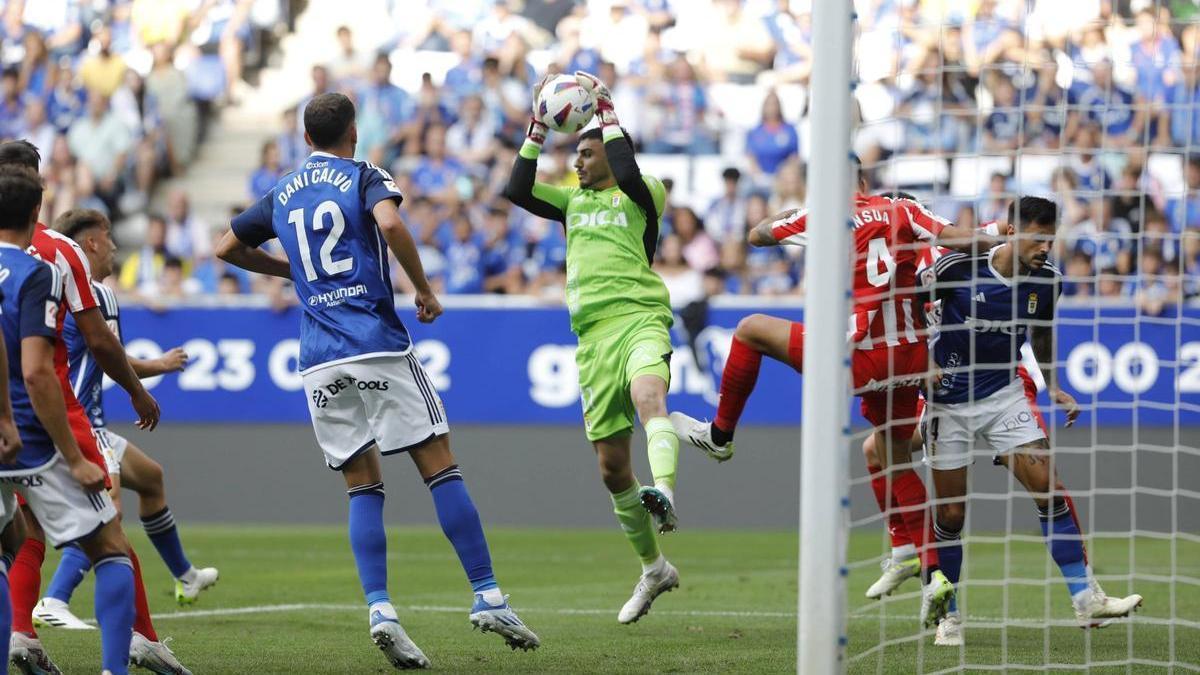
792,230
77,274
926,225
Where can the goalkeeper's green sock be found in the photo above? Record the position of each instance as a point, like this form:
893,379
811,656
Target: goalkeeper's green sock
635,521
662,446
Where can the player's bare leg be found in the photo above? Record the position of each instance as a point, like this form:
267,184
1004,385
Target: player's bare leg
903,563
756,336
144,476
649,396
1033,465
460,523
368,541
658,575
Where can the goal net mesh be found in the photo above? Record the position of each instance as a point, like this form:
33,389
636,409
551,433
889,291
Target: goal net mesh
1094,105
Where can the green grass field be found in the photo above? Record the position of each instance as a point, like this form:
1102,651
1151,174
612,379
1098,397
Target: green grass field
301,610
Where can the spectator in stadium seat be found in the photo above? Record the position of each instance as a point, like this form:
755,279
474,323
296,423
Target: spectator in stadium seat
350,67
496,27
1078,280
67,101
1002,130
772,142
1129,200
1042,98
102,143
229,285
141,270
989,38
269,172
319,75
503,251
927,107
169,88
681,105
699,249
725,218
1089,171
435,174
791,33
1118,112
1156,57
464,259
293,150
12,104
37,129
741,48
188,236
994,203
1183,98
546,267
466,76
1064,185
1157,236
1184,212
102,71
472,138
385,115
685,284
1107,240
36,71
789,190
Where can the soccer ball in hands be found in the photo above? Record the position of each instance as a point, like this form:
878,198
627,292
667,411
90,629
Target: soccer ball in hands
564,106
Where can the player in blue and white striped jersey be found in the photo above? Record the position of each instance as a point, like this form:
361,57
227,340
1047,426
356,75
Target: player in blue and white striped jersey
990,305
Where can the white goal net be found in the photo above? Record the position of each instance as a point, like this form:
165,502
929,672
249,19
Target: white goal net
1095,106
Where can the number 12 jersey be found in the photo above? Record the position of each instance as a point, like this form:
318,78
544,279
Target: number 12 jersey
322,217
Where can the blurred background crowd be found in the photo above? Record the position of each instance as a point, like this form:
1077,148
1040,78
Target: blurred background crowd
962,102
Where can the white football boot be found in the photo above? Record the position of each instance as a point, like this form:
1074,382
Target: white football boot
54,613
502,620
649,587
27,656
389,636
949,631
1095,609
156,657
186,592
699,434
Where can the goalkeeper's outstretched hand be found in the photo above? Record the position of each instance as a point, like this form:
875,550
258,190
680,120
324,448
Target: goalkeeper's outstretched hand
604,103
537,130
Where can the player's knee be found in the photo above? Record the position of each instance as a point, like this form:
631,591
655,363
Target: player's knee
648,401
750,329
154,478
951,516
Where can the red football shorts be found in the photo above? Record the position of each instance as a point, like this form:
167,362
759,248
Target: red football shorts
888,381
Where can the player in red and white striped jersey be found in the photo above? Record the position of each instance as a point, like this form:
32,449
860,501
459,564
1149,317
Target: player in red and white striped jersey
25,576
889,360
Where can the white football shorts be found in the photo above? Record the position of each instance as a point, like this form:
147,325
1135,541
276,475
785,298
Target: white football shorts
386,400
65,510
1001,422
112,447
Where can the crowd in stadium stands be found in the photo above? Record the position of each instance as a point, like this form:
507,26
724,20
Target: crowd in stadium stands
114,97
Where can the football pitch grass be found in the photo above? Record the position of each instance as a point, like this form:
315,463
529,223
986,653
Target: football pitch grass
289,602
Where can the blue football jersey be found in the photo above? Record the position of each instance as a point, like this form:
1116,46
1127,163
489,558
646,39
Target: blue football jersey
87,379
322,217
30,294
985,318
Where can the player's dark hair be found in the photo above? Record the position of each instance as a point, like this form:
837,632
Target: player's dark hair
327,118
597,134
900,194
20,194
77,221
1032,211
22,153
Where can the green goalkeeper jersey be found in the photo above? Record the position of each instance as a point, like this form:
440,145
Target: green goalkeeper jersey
608,274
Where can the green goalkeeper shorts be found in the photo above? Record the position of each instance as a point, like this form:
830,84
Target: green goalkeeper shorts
610,355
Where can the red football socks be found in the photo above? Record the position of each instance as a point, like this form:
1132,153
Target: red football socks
141,620
896,528
909,492
25,584
737,381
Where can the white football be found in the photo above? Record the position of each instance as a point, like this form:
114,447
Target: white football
564,106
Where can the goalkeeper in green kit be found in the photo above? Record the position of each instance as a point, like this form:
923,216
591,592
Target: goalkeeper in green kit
622,316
